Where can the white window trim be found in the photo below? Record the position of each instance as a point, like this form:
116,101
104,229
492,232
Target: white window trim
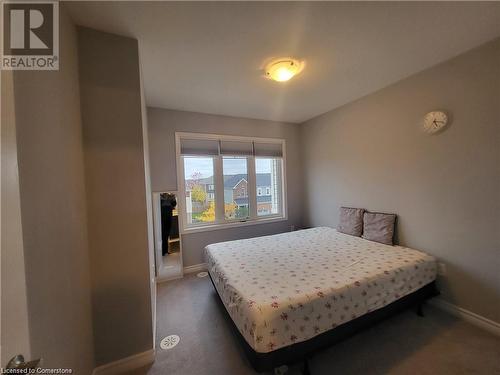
220,222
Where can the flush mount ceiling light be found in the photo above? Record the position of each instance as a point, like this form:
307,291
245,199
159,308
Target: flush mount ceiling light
282,70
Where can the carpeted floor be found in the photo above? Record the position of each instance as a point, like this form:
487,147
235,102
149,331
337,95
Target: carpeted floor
437,344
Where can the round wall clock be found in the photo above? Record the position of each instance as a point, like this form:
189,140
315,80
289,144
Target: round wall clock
435,121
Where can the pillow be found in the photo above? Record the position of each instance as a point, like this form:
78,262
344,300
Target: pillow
351,221
379,227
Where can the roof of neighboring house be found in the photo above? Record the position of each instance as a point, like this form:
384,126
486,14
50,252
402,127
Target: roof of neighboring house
230,181
206,180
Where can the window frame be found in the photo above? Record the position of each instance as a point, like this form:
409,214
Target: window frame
220,221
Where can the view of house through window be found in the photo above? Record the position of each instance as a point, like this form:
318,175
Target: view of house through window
235,188
229,180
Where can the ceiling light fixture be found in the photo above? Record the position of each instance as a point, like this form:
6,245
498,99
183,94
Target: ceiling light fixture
284,69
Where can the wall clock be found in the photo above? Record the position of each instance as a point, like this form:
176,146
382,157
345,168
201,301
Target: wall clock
435,121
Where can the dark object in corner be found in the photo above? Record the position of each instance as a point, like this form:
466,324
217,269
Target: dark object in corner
305,369
302,351
420,309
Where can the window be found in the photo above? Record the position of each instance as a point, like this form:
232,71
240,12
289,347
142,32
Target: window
235,184
268,171
229,180
198,172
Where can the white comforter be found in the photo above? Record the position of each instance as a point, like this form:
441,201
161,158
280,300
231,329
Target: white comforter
290,287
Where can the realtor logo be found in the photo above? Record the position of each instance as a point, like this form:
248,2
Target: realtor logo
30,35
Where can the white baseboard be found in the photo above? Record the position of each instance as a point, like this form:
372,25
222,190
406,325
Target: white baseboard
195,268
126,364
160,280
469,316
189,269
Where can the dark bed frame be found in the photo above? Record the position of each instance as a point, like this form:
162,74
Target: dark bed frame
302,351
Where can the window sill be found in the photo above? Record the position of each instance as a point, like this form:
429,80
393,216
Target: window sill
211,227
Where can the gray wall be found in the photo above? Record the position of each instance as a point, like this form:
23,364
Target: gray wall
164,123
53,213
445,188
116,194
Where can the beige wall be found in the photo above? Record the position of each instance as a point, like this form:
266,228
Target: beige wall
53,213
116,194
15,337
164,123
445,188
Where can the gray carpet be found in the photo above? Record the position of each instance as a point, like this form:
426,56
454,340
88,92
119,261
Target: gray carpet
403,344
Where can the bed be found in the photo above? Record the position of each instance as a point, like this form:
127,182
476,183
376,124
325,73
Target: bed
290,294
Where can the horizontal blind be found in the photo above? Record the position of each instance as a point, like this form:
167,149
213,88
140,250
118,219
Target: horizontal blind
214,147
238,148
268,149
199,147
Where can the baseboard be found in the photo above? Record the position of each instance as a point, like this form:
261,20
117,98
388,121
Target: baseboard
160,280
469,316
195,268
126,364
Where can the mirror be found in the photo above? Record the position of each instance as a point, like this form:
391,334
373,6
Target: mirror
168,245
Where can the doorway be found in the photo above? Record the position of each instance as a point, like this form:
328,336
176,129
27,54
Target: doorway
168,240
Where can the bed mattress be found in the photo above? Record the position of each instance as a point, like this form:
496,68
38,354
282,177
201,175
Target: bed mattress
290,287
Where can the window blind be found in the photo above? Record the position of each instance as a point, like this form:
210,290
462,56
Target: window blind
268,149
236,148
199,147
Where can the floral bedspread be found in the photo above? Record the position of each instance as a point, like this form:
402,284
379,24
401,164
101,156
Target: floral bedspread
290,287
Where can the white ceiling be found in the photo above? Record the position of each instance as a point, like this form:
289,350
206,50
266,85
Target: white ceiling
207,57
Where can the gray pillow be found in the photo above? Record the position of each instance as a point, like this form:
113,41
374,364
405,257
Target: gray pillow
351,221
379,227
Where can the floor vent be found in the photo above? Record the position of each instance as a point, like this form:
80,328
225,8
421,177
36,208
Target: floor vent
169,342
202,274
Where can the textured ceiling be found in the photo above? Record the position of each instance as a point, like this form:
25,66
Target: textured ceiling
208,57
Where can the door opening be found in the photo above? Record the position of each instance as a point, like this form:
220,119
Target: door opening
168,241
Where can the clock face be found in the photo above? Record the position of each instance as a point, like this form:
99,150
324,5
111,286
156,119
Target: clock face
435,121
